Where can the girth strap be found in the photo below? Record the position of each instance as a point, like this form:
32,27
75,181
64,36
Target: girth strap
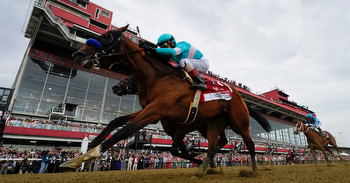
192,112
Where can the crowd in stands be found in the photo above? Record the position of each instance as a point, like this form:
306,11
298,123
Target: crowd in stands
13,161
227,80
56,125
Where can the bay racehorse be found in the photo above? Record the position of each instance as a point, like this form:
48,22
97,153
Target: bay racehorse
165,97
317,142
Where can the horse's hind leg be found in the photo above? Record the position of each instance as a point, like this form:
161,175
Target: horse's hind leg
213,131
334,144
239,123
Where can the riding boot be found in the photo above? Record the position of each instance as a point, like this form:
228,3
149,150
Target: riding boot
323,134
199,83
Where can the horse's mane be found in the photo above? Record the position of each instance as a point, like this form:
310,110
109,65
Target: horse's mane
161,63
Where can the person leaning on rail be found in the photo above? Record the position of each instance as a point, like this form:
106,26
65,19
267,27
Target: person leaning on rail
316,124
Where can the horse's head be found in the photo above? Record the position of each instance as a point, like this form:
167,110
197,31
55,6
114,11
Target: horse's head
90,55
300,127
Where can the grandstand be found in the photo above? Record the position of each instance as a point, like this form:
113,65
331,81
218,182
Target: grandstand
57,103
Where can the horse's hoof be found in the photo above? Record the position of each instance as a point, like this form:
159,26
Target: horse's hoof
70,165
67,169
93,154
199,174
213,171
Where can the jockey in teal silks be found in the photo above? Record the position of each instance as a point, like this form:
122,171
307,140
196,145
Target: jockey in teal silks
316,124
187,56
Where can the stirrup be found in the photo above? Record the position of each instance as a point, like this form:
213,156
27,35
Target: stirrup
199,86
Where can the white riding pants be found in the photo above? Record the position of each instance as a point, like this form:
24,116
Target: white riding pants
202,65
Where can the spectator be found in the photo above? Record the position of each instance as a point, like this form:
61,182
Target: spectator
44,162
24,166
8,168
103,166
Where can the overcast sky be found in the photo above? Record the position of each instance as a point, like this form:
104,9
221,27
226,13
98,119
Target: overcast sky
301,47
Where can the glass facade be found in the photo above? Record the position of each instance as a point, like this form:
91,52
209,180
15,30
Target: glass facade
280,134
5,98
45,85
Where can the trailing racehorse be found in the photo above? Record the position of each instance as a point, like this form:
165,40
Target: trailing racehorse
164,96
317,142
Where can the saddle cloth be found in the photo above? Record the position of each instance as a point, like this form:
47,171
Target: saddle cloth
217,90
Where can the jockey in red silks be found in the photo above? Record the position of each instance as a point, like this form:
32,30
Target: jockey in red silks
316,124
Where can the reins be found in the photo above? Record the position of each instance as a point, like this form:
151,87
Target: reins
118,54
307,129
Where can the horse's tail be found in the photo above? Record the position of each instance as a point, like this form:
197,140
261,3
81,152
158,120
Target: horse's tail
259,118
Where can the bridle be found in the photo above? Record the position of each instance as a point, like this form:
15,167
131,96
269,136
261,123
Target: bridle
113,48
301,125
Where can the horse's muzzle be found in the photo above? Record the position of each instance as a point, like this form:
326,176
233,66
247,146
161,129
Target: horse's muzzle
79,57
83,59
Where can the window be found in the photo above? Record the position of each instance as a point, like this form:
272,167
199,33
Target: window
98,24
97,12
105,13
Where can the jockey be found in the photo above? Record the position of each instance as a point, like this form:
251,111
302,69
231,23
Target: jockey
187,56
315,123
289,153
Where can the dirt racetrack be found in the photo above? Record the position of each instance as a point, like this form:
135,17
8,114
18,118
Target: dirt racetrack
282,173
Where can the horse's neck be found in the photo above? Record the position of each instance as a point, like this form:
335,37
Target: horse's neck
139,67
310,134
146,69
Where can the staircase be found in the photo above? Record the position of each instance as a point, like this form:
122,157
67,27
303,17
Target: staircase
40,9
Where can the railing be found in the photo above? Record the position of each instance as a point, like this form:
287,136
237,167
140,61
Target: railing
39,125
58,21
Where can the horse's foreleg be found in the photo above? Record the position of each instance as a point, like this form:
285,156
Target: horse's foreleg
314,155
222,141
143,118
112,125
178,143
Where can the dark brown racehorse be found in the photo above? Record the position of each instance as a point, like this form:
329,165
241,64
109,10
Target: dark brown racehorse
317,142
164,96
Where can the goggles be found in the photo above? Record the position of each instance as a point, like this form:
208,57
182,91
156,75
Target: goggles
165,44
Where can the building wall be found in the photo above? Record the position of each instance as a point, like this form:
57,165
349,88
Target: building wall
46,84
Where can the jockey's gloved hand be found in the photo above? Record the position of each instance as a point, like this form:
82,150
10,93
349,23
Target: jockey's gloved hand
148,48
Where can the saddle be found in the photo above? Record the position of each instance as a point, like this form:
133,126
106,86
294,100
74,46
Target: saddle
322,134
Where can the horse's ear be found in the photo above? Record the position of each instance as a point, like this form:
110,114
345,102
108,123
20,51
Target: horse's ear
122,29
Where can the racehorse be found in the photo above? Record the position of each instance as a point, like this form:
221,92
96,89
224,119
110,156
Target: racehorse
317,142
164,96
